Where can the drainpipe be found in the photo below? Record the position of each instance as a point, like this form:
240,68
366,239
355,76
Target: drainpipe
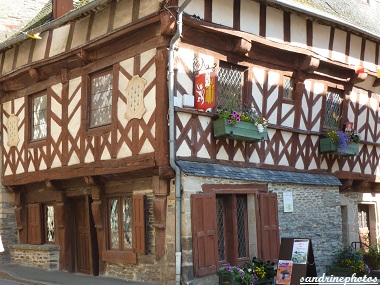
172,146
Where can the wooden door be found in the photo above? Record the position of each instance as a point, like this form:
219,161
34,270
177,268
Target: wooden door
82,236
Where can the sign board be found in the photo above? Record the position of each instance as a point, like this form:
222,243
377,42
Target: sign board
299,251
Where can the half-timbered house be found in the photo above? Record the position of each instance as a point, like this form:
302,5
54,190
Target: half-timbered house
111,151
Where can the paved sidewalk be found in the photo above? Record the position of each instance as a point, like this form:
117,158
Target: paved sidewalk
59,277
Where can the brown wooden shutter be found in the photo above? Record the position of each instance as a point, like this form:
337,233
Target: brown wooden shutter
205,239
34,224
270,237
138,224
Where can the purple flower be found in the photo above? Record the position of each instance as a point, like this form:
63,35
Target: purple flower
229,122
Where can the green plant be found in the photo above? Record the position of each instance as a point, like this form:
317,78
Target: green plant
347,257
239,274
262,269
372,257
234,116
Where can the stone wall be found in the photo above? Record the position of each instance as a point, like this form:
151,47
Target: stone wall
316,215
42,256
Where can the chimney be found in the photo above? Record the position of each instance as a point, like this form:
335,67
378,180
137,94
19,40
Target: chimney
61,7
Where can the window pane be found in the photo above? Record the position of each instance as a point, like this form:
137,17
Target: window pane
332,111
50,223
101,100
229,88
127,227
114,224
241,226
220,227
39,117
288,88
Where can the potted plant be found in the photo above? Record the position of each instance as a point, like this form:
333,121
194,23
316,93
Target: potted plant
343,143
252,272
348,261
246,125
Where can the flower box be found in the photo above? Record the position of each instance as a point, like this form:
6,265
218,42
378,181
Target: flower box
241,131
326,145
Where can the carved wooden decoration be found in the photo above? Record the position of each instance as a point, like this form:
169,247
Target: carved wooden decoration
135,98
12,127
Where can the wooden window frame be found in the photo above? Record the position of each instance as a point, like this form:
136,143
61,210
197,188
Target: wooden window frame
31,117
341,95
244,85
37,224
139,224
88,79
230,230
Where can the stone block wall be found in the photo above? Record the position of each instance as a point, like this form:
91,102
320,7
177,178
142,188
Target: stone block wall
41,256
316,215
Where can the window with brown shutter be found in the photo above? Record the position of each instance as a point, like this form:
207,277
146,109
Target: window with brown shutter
205,248
34,224
127,223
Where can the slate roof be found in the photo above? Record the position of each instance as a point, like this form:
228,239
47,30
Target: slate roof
358,13
255,174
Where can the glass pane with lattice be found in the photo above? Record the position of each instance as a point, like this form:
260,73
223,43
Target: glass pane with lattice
220,227
39,117
127,227
50,223
332,111
288,88
229,88
114,223
101,99
241,226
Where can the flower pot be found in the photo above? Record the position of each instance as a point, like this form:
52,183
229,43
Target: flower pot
339,271
241,131
225,278
326,145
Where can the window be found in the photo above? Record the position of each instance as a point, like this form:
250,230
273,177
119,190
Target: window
332,109
41,225
126,223
229,91
288,88
232,228
101,99
39,119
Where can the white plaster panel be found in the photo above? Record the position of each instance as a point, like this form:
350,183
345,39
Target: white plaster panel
8,60
74,159
122,106
195,7
127,65
238,155
19,169
222,154
100,24
287,137
23,53
250,17
124,151
56,162
339,46
149,7
289,122
186,62
183,149
89,157
59,40
147,56
123,13
275,24
222,12
40,47
298,36
106,155
150,105
204,121
147,146
369,56
321,38
74,110
269,158
80,32
42,165
259,75
355,50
